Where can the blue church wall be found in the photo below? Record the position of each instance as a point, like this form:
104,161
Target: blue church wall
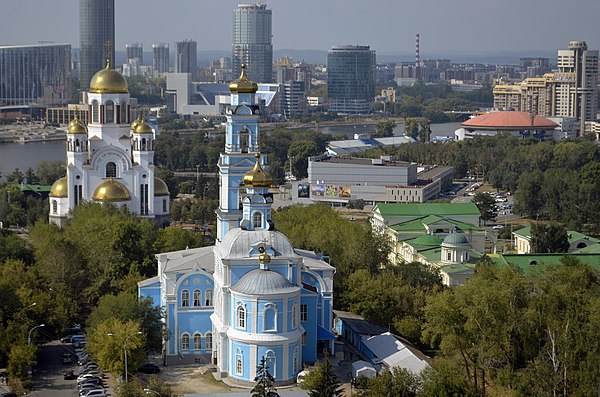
242,351
151,291
290,310
294,370
238,271
309,351
274,356
270,316
246,303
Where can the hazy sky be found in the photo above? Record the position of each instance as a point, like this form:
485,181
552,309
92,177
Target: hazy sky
388,26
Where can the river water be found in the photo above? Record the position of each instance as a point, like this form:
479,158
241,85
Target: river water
23,156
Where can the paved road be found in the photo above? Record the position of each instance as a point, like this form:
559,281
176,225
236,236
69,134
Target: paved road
48,379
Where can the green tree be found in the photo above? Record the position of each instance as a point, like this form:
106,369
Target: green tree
548,237
325,383
424,134
48,171
384,128
400,382
411,128
21,358
485,203
528,200
265,381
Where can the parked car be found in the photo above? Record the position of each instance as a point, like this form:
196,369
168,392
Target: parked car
149,369
69,375
67,358
94,393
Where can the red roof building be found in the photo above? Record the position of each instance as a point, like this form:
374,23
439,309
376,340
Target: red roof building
509,121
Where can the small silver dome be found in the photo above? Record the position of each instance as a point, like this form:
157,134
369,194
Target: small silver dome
455,239
264,282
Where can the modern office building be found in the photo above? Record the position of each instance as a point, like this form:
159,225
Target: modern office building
186,57
160,59
96,37
35,74
351,79
292,99
135,51
252,41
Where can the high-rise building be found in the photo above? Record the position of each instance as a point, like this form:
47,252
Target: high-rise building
252,41
135,51
160,60
96,37
38,73
186,57
351,79
576,82
569,92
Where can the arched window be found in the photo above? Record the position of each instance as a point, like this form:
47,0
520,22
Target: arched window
197,297
295,316
209,341
208,297
270,361
185,298
241,316
54,206
244,140
270,318
111,170
295,365
164,205
239,362
95,111
123,113
185,342
197,342
257,220
449,256
109,110
304,339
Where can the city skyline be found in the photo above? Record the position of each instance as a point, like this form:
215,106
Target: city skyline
388,26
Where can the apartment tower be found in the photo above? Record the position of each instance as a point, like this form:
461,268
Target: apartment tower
186,57
252,41
160,60
135,51
96,37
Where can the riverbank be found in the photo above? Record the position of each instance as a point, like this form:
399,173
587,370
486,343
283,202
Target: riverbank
30,132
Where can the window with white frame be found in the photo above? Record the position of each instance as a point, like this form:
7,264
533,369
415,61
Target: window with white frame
197,297
109,110
111,170
208,340
197,341
303,312
208,297
239,362
271,363
295,365
295,316
304,339
241,316
123,113
54,206
270,317
95,111
257,220
185,342
185,298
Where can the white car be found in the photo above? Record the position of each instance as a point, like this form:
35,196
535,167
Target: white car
94,393
498,227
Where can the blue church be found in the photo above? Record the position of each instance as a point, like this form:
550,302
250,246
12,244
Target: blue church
252,294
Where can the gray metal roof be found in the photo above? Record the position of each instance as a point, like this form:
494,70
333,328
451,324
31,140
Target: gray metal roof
264,282
237,243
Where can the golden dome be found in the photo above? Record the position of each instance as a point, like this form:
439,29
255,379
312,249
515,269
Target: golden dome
111,191
76,126
257,177
263,257
60,188
108,81
243,85
160,188
142,128
136,122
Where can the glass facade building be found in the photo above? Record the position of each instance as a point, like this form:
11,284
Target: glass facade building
96,30
135,51
160,60
252,42
186,57
351,77
35,74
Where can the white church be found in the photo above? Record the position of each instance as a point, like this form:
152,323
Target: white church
112,159
252,294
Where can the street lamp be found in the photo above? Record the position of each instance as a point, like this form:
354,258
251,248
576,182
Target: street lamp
150,391
31,330
125,349
197,172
